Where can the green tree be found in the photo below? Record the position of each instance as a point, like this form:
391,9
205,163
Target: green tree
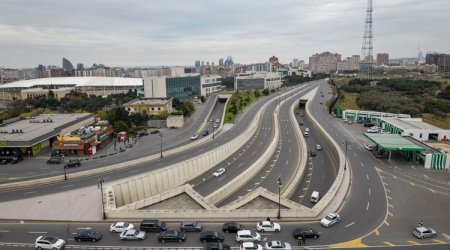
120,126
257,93
188,108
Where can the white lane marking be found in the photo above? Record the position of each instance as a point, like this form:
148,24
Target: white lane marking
367,176
37,232
369,191
66,186
426,176
367,208
362,165
4,231
254,152
31,192
287,161
350,224
240,165
221,178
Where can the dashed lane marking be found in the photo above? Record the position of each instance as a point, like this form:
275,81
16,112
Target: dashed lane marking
31,192
4,231
386,223
390,214
413,242
350,224
438,241
376,232
37,232
388,243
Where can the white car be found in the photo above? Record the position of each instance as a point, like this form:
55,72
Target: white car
247,236
217,120
368,146
424,232
118,227
49,242
306,129
275,244
219,172
318,147
194,136
268,226
250,246
216,125
133,235
330,219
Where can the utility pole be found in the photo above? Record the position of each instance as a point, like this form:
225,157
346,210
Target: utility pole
366,64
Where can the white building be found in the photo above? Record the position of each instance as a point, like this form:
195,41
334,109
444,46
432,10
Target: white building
257,80
299,72
210,84
295,63
415,128
325,63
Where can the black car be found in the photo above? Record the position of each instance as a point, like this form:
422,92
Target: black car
300,123
87,235
211,236
16,159
206,132
5,161
172,235
154,132
54,160
216,246
153,226
232,227
73,163
190,225
306,232
142,133
312,152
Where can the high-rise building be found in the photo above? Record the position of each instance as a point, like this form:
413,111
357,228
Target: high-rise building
382,58
295,63
67,67
80,66
197,64
229,62
221,62
325,62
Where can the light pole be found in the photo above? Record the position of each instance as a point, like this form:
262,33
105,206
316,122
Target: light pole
347,143
100,185
212,125
279,197
161,138
65,175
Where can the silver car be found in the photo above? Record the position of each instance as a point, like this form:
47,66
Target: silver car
277,245
192,226
424,232
133,235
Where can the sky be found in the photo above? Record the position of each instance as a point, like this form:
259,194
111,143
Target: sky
178,32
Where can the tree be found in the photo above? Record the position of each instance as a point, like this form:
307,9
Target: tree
120,126
188,108
266,92
257,94
119,114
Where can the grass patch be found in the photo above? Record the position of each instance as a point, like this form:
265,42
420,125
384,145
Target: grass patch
241,100
440,122
348,101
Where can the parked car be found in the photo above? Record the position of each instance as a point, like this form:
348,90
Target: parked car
211,236
172,236
368,146
306,232
312,152
5,161
247,236
49,242
194,136
268,226
318,147
88,235
16,159
424,232
133,234
250,246
73,163
232,227
190,225
278,245
118,227
152,226
219,172
330,219
154,132
206,132
216,246
54,160
142,133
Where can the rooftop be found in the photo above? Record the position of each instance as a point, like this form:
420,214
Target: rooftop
149,101
74,81
393,142
412,123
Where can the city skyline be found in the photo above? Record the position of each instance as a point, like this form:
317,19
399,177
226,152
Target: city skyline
142,33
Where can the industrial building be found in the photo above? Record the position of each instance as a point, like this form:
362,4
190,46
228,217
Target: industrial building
257,80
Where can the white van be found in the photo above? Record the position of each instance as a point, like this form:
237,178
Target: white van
315,197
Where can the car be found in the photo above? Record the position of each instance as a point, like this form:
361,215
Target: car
206,132
300,123
344,120
321,103
330,219
306,134
360,121
247,236
306,129
16,159
150,225
368,146
302,115
172,235
368,124
190,225
54,160
424,232
49,242
217,120
306,232
133,234
154,132
5,161
73,163
118,227
297,112
312,152
372,130
275,244
87,235
232,227
268,226
211,236
219,172
350,122
194,136
318,147
216,246
215,125
250,246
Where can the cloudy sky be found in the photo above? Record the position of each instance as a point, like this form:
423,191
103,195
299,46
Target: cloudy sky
178,32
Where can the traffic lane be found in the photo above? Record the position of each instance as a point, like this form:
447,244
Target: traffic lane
241,159
410,203
211,120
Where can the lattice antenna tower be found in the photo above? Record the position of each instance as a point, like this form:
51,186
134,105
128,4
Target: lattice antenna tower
367,45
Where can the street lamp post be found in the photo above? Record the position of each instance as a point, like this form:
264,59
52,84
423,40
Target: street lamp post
161,138
347,143
100,185
65,174
279,197
212,123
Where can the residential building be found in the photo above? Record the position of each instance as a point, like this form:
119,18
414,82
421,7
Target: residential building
382,58
257,80
149,106
67,67
325,63
349,64
8,75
